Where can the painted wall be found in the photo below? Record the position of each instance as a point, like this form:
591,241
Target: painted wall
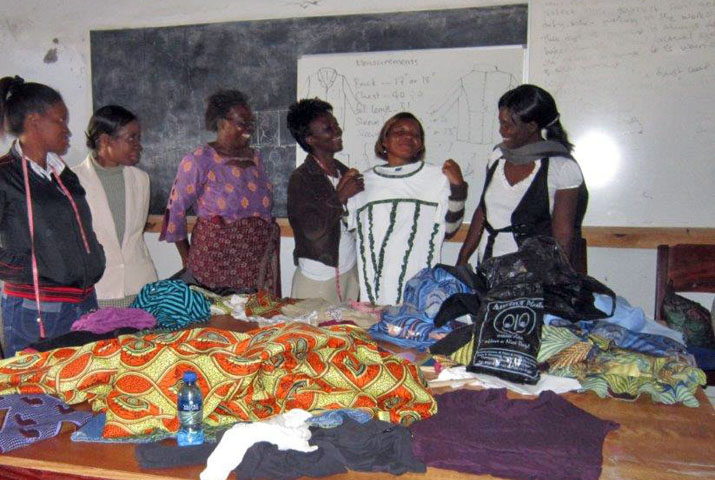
48,41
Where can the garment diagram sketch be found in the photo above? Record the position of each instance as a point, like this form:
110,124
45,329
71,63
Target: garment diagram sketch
329,85
453,92
472,101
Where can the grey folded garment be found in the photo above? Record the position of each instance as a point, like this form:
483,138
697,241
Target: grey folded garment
375,446
534,151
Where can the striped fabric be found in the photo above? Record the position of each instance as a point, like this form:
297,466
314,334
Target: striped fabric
48,293
173,304
455,208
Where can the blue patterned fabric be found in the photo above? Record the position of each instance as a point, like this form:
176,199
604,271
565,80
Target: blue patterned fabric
411,325
31,418
173,304
656,345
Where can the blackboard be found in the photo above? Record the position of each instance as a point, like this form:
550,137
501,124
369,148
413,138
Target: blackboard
165,74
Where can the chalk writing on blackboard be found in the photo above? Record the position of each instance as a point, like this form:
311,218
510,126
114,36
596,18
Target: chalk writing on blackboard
165,74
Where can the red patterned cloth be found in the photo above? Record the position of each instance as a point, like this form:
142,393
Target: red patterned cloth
242,376
243,254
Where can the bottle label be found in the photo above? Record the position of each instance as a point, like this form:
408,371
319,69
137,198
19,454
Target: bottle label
193,418
190,411
189,406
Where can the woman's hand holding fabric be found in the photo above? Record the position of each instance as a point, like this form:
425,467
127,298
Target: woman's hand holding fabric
350,184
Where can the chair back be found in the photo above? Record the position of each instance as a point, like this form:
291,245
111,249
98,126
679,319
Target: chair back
686,268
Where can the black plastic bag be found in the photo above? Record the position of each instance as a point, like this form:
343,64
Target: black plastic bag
507,335
540,259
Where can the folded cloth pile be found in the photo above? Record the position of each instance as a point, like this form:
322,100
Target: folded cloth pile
243,376
411,325
173,304
111,318
608,370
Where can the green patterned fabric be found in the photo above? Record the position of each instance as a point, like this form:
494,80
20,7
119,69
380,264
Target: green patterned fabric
690,318
616,372
368,246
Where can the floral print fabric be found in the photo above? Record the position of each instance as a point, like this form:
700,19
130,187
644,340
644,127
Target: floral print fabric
242,255
215,187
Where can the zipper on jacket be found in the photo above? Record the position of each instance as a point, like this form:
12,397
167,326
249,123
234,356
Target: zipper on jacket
78,238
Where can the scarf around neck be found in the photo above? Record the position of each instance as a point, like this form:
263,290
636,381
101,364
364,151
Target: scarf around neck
533,151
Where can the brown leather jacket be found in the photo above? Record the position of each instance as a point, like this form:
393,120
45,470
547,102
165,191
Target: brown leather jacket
314,213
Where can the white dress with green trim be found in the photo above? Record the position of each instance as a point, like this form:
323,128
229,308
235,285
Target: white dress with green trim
399,220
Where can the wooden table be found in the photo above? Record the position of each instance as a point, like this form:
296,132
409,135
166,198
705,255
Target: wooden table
654,442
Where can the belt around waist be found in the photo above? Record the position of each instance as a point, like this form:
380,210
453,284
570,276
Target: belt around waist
48,294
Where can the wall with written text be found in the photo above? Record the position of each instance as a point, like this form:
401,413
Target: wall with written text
454,93
165,74
634,83
649,80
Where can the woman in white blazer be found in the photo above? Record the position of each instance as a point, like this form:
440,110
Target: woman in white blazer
118,196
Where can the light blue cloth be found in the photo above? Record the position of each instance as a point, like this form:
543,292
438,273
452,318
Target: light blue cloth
629,317
656,345
92,432
334,418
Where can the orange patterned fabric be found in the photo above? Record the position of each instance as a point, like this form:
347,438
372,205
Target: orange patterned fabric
243,376
265,304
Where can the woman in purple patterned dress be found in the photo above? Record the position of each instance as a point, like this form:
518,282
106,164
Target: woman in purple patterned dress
236,242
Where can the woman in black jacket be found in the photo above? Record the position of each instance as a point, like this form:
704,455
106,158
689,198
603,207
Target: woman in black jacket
49,256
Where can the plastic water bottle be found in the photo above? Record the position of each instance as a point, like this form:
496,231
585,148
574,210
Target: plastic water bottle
191,412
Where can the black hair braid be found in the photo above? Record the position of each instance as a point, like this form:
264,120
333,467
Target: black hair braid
7,87
557,133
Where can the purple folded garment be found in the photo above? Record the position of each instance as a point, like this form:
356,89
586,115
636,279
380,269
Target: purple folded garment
112,318
485,432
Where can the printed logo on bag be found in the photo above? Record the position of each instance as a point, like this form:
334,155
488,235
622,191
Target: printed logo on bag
516,317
